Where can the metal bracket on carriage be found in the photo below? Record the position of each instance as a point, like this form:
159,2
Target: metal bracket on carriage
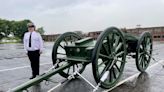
95,87
103,78
50,80
52,68
72,76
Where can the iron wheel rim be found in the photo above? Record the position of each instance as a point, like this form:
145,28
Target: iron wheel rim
57,45
114,53
144,51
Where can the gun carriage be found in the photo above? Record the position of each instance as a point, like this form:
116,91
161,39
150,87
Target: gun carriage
72,53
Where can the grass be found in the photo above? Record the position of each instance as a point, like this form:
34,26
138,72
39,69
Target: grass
8,42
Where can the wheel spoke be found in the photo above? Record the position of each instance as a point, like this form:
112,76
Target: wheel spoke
111,76
105,49
105,56
148,51
144,43
112,40
118,47
141,59
117,41
68,70
102,63
148,41
149,46
117,67
141,48
77,65
120,53
65,41
73,68
105,68
141,62
114,73
71,39
142,53
103,71
148,54
120,60
61,46
109,44
147,59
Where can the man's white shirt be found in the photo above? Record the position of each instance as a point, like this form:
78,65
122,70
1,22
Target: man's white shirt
36,41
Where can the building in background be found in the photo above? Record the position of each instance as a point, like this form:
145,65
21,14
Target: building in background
157,33
94,34
50,38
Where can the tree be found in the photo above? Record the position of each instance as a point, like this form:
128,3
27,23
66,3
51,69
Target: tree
4,28
19,28
40,30
1,36
16,28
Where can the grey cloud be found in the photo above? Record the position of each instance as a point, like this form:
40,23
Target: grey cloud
59,16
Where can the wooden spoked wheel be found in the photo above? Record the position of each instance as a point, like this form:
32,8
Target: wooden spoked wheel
144,51
109,54
58,53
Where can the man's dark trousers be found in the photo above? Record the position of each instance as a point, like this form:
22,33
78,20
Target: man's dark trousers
34,57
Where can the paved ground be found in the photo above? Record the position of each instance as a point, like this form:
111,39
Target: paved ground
15,70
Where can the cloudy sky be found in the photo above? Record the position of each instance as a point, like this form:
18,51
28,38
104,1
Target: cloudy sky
58,16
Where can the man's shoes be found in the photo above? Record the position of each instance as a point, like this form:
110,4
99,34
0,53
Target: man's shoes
32,77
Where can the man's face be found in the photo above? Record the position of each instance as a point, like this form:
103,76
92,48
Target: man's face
31,28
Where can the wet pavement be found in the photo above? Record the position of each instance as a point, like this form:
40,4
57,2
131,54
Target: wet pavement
15,70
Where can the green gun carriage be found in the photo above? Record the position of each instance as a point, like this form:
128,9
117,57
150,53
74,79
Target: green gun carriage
71,53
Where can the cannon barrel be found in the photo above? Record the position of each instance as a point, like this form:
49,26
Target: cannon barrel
39,79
